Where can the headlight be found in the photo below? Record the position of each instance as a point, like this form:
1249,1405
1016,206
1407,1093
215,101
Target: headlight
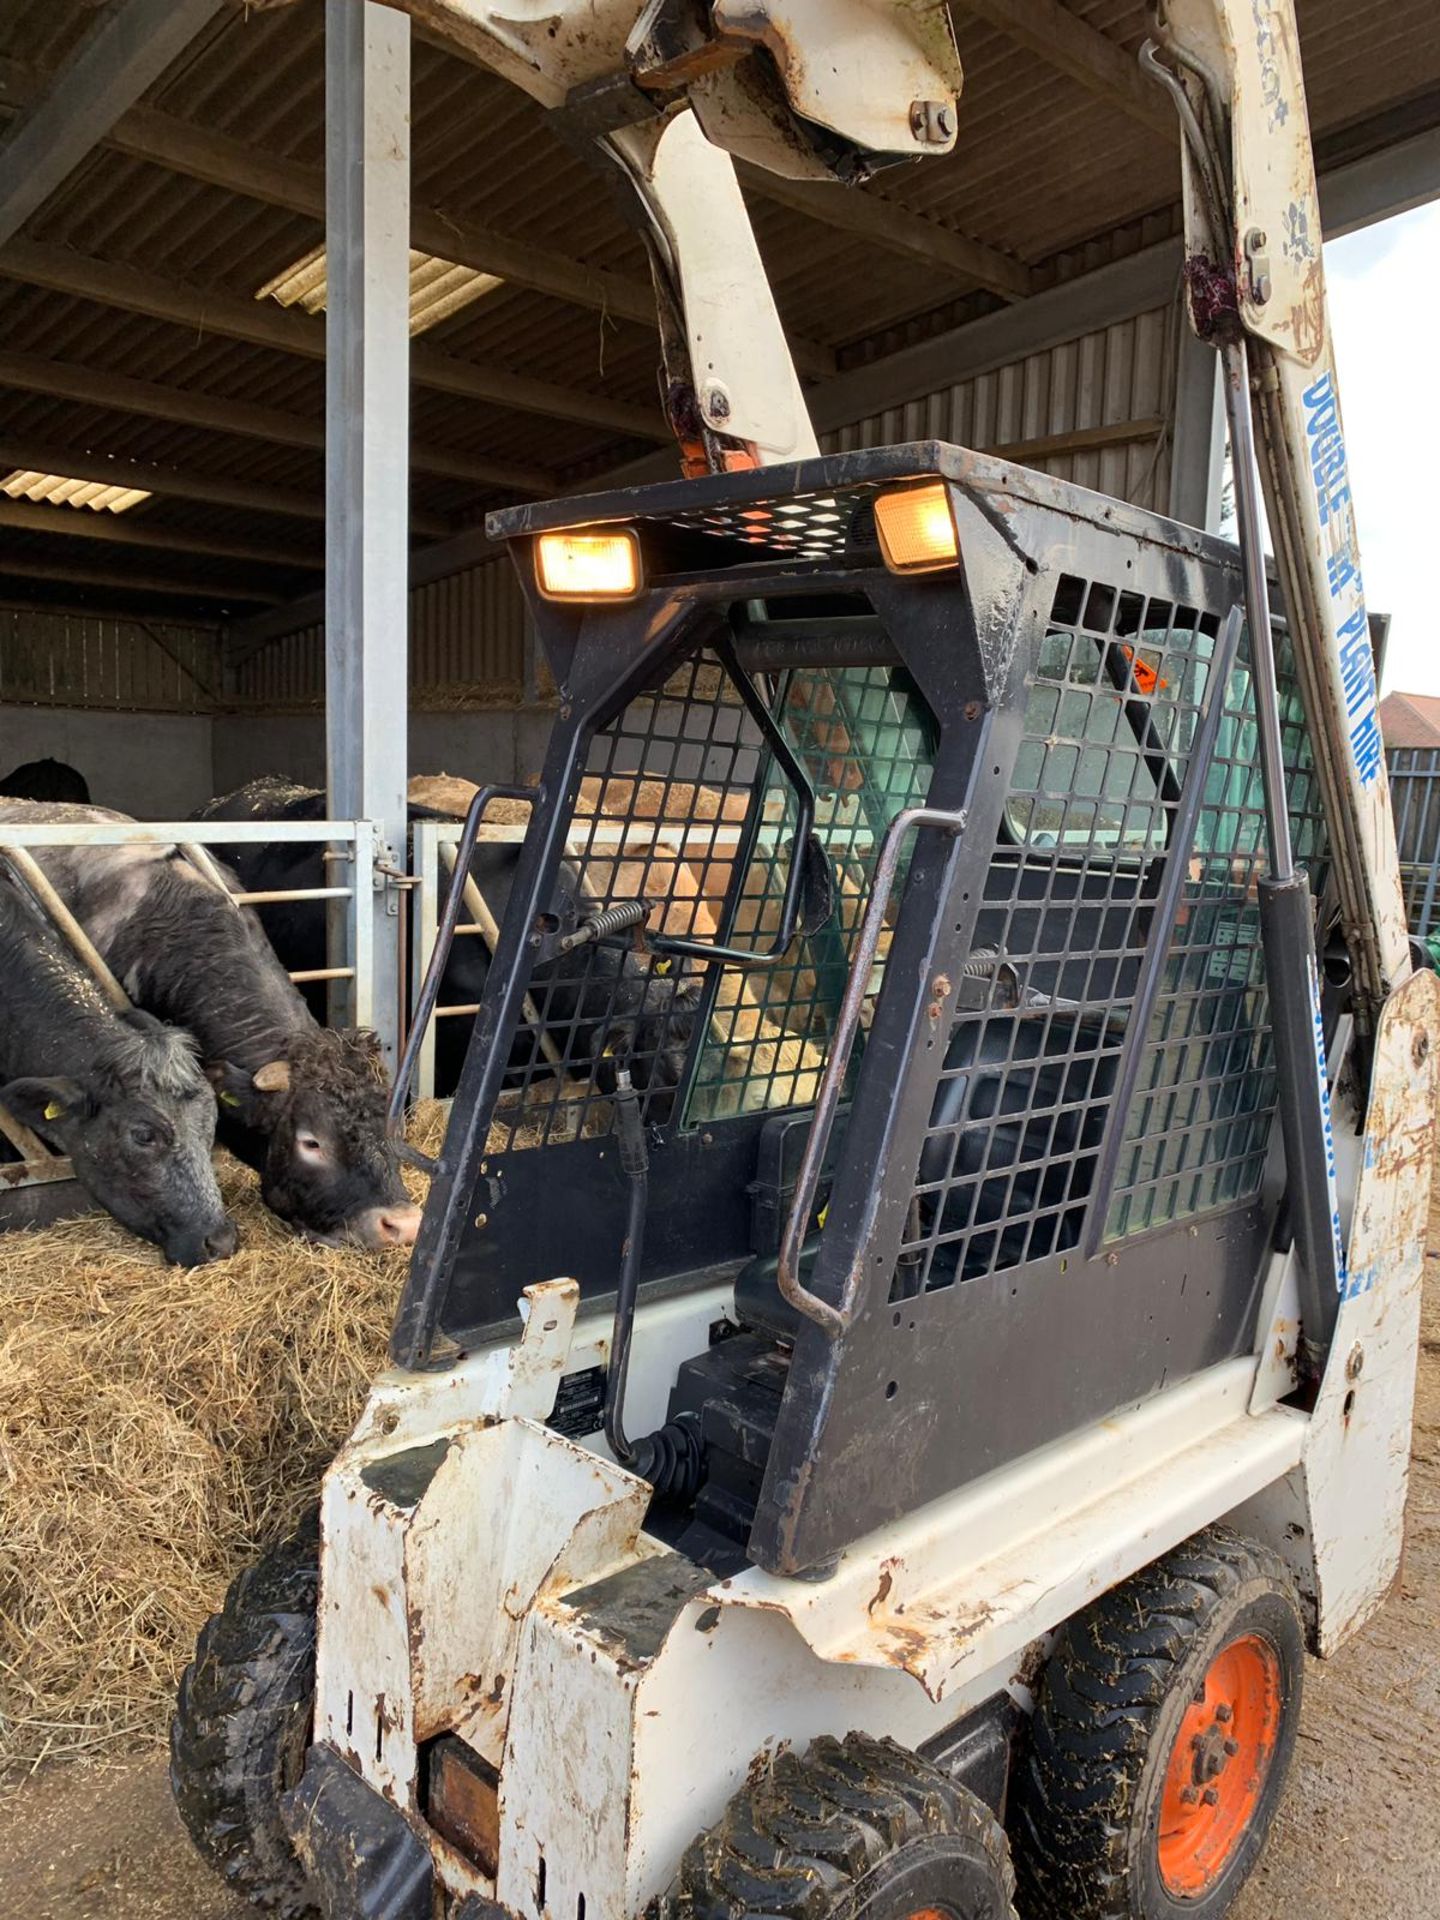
917,529
591,564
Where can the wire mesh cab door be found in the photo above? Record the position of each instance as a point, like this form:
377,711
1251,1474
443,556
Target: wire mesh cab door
661,782
1055,1190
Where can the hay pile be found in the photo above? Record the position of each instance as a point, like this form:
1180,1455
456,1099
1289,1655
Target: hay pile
157,1426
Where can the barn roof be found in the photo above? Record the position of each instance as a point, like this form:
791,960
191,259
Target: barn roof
1410,719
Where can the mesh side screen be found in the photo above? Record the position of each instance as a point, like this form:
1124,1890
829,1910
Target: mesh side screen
1198,1131
663,807
682,806
1009,1158
866,739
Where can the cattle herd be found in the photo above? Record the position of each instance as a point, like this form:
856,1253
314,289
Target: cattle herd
219,1043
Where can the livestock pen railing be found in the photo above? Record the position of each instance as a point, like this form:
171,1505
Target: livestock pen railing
353,846
1415,797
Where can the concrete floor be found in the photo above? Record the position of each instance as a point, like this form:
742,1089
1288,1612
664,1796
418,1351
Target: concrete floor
1357,1838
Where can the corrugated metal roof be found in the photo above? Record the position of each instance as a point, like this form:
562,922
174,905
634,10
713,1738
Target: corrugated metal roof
1043,171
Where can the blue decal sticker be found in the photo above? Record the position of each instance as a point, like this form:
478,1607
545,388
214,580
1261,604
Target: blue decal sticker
1298,244
1337,1231
1359,1282
1279,107
1330,478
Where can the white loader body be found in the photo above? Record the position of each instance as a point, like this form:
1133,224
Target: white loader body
459,1532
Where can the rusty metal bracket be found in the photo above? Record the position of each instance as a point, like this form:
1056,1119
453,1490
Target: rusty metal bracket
835,1319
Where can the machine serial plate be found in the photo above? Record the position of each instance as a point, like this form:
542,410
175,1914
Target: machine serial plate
580,1404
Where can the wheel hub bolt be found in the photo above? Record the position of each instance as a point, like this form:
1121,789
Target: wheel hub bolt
1232,1747
1224,1713
1210,1797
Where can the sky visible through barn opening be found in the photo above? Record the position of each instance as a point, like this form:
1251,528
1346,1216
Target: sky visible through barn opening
1384,285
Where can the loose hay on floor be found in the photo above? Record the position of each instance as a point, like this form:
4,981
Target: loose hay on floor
157,1425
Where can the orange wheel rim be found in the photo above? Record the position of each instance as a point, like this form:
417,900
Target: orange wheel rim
1219,1765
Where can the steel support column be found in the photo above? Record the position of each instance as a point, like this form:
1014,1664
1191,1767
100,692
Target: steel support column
367,471
1197,441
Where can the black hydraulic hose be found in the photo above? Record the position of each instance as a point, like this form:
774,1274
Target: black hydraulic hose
635,1161
672,1458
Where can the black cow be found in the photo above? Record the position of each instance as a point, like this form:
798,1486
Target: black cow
120,1093
304,1107
598,1002
46,780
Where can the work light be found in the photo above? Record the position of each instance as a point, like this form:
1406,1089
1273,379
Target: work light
917,529
589,564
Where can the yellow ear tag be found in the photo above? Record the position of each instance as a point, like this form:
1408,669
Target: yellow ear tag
229,1100
823,1215
54,1111
662,966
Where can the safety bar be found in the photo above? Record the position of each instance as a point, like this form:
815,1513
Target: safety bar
835,1319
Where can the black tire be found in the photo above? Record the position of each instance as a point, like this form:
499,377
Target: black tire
243,1721
1112,1700
859,1827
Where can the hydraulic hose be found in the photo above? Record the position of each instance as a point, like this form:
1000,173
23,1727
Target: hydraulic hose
671,1459
635,1163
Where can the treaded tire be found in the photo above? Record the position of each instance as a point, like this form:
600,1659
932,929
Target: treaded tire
242,1724
1119,1683
859,1827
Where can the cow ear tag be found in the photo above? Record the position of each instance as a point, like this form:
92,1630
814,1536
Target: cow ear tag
54,1111
229,1099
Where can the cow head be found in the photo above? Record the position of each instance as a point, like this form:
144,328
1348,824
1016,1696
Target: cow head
326,1164
138,1126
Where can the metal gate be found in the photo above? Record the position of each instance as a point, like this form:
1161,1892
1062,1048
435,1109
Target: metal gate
1415,796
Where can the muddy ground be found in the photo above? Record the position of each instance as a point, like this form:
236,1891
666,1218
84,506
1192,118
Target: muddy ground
1358,1835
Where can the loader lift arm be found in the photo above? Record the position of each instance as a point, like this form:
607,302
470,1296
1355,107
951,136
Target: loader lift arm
662,93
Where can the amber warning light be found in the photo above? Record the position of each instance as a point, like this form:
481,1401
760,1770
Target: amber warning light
917,529
588,565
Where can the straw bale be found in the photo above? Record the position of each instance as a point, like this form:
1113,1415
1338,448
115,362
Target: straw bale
157,1427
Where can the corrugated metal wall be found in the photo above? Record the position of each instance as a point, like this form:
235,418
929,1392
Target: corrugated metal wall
467,648
467,636
54,659
1119,378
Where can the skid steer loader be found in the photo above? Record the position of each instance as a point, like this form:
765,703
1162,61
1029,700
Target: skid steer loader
885,1410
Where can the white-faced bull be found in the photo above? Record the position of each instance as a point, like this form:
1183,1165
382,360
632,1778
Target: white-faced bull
121,1094
304,1107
